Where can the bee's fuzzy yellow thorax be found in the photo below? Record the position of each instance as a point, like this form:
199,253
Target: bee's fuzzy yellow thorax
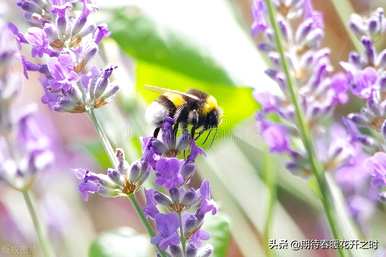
177,99
210,104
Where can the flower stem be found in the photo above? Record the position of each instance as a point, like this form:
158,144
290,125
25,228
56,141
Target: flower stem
270,181
110,152
325,193
144,221
41,233
105,140
182,236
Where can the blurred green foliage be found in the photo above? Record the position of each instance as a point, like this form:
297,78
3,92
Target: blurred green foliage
122,242
218,227
143,39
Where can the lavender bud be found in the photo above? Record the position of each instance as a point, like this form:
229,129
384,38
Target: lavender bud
355,58
28,6
383,129
303,30
382,196
103,81
191,224
162,199
372,104
265,47
187,170
206,252
369,48
373,25
188,198
175,195
90,53
175,251
381,60
114,175
89,29
101,32
356,25
314,38
382,82
145,174
358,119
191,251
135,171
285,29
183,142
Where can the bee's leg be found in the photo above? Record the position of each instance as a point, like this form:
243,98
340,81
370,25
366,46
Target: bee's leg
156,132
199,134
215,134
207,136
175,129
194,118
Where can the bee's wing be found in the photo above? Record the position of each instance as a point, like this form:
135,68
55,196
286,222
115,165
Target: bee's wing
162,90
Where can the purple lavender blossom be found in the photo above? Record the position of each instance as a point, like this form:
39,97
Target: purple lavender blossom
67,38
377,165
9,81
319,89
367,79
121,181
24,152
179,229
167,226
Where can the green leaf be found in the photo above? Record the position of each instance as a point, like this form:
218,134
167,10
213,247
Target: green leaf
144,39
219,229
95,150
237,103
122,242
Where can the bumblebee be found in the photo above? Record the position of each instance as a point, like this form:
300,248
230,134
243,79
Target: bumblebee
194,108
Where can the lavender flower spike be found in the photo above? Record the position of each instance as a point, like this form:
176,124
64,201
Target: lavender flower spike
377,165
9,81
121,181
178,229
66,37
319,89
365,71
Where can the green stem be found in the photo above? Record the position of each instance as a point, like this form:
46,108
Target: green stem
144,221
270,181
111,153
41,233
182,236
325,193
105,140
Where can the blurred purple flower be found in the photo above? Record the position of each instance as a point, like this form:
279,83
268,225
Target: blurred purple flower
367,79
24,152
69,40
259,21
320,91
276,136
377,166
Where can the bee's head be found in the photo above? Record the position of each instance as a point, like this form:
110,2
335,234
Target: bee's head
213,118
213,112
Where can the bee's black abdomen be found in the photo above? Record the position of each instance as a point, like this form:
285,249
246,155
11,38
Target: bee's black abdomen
169,105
